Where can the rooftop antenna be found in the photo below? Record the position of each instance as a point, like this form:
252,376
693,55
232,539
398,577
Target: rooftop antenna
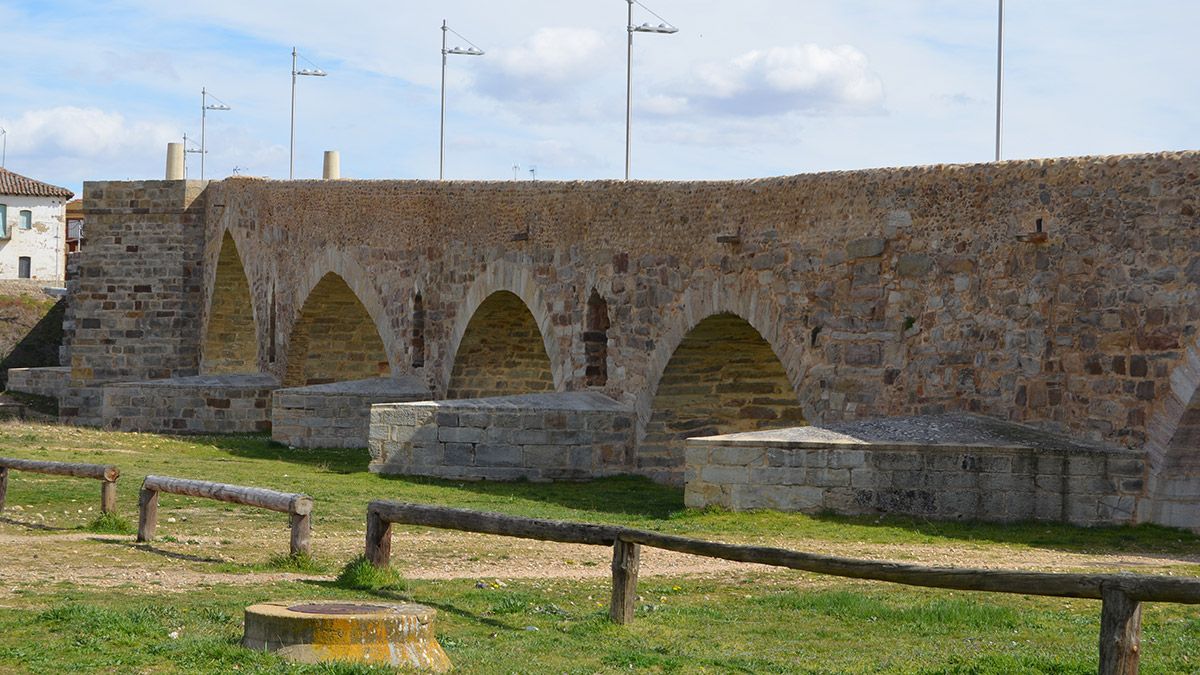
533,173
516,172
4,152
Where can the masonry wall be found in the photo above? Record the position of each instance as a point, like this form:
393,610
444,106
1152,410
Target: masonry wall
536,437
969,483
501,353
231,342
723,378
49,381
136,304
335,339
1061,293
229,404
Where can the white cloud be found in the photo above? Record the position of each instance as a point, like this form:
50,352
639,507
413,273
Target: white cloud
546,66
85,132
806,78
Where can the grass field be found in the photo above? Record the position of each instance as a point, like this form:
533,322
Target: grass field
76,597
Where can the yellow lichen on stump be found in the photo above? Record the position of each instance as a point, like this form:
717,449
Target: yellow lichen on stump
383,633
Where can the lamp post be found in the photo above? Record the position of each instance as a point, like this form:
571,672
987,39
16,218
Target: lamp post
664,28
204,108
457,51
307,72
189,151
999,73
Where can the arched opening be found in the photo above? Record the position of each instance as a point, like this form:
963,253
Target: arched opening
723,378
418,332
595,342
334,339
231,345
501,352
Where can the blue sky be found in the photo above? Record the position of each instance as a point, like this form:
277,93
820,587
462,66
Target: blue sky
95,90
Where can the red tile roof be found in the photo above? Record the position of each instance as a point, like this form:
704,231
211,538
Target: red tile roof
16,184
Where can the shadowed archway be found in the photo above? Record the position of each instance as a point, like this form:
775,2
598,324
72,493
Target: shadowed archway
334,339
722,378
231,343
502,352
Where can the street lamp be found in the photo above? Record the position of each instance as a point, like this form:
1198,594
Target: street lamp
205,106
189,151
664,28
308,72
457,51
999,72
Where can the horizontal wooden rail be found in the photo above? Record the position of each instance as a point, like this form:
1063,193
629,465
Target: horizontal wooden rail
1121,594
298,506
105,473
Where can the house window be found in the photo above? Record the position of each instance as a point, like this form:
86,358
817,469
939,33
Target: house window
26,220
23,267
3,221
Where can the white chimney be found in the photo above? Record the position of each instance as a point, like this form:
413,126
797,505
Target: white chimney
333,165
174,161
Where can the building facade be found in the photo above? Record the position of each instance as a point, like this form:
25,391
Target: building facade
32,228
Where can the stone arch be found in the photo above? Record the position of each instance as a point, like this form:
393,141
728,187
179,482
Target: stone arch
231,337
722,378
334,338
1173,447
517,280
759,309
595,341
359,279
501,353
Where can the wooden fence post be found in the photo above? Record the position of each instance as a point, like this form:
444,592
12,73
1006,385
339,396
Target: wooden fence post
1120,632
301,534
3,486
625,562
108,496
147,514
379,539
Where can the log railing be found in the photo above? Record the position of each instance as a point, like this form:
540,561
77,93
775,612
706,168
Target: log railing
298,506
106,474
1121,594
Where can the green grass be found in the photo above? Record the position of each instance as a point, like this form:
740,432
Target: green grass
111,523
765,621
360,575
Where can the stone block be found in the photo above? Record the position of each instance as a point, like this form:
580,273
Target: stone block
487,454
459,454
724,474
738,455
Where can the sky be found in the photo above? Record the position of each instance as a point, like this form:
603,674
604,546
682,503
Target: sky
752,88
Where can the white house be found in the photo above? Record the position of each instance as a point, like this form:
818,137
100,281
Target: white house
32,228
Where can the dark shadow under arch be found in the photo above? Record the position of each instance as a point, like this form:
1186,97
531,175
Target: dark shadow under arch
231,344
501,352
722,378
334,339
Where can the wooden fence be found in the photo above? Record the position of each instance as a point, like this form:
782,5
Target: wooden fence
298,506
106,474
1121,594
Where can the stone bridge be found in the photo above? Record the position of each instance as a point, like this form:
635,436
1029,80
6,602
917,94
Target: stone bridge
1059,294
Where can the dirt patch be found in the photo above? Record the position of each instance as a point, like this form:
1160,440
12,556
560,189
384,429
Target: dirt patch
176,566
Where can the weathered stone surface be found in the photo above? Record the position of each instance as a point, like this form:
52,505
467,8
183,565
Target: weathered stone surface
917,466
1087,327
557,436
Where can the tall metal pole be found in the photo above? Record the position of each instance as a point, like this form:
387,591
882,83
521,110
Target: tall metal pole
4,152
628,87
442,142
999,75
203,122
292,144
